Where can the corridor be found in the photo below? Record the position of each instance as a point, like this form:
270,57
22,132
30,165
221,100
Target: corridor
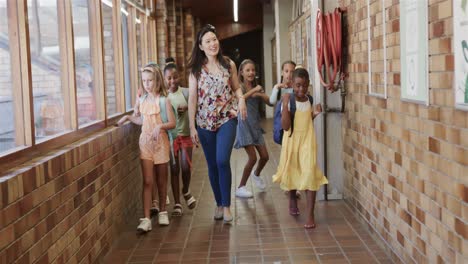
392,136
262,232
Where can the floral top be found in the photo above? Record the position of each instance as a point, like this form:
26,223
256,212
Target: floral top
217,103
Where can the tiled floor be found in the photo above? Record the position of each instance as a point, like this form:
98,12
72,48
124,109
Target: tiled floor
262,232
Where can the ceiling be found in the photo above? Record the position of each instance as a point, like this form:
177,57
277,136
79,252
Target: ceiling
220,14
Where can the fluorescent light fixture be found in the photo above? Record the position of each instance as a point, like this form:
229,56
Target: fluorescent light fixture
236,17
124,11
107,3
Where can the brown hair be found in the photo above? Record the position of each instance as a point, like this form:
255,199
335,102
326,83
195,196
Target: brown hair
160,84
241,67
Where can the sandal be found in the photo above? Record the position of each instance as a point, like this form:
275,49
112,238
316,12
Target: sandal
294,211
155,209
191,202
177,210
307,226
163,219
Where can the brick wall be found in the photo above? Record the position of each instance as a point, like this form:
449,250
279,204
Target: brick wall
180,44
406,163
171,25
68,206
189,36
161,31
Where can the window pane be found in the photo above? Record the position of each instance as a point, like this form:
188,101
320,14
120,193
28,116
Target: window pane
109,61
50,116
86,93
8,139
138,22
126,58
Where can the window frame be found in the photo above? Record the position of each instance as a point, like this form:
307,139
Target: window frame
20,55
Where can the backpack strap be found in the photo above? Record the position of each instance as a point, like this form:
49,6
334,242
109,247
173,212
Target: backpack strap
143,97
292,111
311,100
165,119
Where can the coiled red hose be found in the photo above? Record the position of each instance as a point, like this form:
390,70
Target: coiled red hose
329,48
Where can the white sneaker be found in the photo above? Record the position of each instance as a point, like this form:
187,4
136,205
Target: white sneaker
259,182
145,225
242,192
163,218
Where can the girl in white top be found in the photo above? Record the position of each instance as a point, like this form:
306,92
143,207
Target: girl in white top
285,85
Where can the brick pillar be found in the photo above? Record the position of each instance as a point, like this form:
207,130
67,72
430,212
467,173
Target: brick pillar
171,28
161,31
180,44
189,35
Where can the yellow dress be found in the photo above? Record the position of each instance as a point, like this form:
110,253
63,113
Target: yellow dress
297,168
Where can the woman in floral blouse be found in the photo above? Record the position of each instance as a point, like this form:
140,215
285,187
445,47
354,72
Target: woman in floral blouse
215,100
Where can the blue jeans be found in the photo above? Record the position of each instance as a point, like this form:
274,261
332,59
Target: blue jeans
217,146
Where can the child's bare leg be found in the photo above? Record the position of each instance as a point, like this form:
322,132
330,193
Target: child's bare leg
249,165
310,222
175,180
161,180
186,171
263,152
147,170
293,210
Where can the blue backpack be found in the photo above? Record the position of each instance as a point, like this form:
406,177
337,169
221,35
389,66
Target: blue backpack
278,130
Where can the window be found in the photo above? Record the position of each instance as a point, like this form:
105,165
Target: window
138,21
53,86
9,134
126,57
86,94
51,106
109,57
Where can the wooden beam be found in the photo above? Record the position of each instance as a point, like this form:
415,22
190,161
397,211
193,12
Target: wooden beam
25,71
118,57
15,61
67,64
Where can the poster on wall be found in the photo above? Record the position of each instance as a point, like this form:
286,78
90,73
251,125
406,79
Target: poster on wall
460,43
299,50
414,50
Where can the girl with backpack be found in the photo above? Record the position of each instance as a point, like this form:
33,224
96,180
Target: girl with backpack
285,85
297,168
249,132
181,160
215,100
156,118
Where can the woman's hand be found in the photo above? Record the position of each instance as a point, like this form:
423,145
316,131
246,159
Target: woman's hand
156,133
194,136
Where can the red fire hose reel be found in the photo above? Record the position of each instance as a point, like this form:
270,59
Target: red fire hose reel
329,48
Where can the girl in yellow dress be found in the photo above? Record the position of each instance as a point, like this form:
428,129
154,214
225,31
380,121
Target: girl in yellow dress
297,168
